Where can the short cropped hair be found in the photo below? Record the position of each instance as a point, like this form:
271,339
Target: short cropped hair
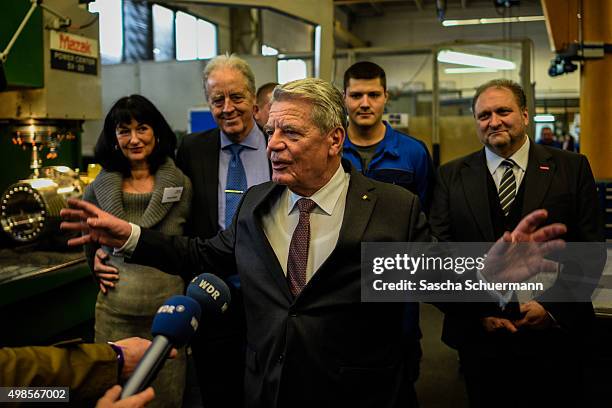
328,110
139,108
365,70
515,88
264,90
229,61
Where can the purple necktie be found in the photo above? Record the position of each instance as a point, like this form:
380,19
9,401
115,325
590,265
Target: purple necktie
298,248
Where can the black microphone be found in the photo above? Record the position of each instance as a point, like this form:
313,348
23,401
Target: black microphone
173,325
211,292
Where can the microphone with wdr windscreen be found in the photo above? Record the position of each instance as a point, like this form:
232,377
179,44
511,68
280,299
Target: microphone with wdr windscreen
173,326
211,292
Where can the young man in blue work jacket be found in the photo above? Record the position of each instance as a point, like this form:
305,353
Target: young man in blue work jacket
385,154
373,146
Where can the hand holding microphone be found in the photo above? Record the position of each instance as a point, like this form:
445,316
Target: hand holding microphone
173,325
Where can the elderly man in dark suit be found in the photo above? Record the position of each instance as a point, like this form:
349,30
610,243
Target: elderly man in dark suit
296,243
209,159
525,354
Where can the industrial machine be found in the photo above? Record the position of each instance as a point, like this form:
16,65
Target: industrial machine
50,71
31,208
49,84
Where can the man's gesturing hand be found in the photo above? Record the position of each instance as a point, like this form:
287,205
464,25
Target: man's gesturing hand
94,224
519,255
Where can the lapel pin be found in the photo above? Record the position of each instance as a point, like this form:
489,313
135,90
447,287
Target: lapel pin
544,167
365,197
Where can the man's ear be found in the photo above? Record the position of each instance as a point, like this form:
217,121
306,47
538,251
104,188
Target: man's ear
337,136
255,111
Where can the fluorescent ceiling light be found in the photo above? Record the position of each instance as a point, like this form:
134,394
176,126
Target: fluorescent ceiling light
543,118
461,58
497,20
468,70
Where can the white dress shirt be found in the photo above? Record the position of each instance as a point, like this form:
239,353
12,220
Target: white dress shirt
325,222
520,158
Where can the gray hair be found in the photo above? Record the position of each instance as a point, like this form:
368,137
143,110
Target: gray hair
515,88
229,61
328,110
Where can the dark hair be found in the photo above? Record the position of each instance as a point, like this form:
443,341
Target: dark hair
137,107
515,88
264,90
365,70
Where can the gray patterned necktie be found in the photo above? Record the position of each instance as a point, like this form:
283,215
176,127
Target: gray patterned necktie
507,187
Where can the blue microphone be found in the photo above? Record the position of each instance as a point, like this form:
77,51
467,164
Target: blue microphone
211,292
173,325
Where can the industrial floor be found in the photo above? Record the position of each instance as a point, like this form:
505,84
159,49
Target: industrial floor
440,383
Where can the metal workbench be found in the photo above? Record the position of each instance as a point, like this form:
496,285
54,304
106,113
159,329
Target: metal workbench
45,296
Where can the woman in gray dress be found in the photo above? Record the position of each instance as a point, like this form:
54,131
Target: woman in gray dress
139,183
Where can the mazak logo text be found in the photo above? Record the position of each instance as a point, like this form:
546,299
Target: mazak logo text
68,43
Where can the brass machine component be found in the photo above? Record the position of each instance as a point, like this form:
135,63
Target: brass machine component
38,134
30,208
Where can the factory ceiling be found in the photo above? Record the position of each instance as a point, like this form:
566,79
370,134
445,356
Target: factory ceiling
467,8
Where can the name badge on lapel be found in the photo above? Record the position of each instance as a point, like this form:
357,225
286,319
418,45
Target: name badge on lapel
172,194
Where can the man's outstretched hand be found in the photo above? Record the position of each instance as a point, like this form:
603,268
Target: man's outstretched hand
520,254
95,225
528,229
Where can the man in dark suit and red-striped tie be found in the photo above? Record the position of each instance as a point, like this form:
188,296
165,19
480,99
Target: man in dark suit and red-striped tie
512,354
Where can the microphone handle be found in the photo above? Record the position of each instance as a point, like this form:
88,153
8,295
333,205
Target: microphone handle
146,371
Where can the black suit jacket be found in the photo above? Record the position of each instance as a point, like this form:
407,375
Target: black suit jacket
556,180
325,347
198,157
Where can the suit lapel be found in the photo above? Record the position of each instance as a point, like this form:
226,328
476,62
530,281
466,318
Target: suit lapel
474,179
210,173
360,202
538,176
269,162
262,206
